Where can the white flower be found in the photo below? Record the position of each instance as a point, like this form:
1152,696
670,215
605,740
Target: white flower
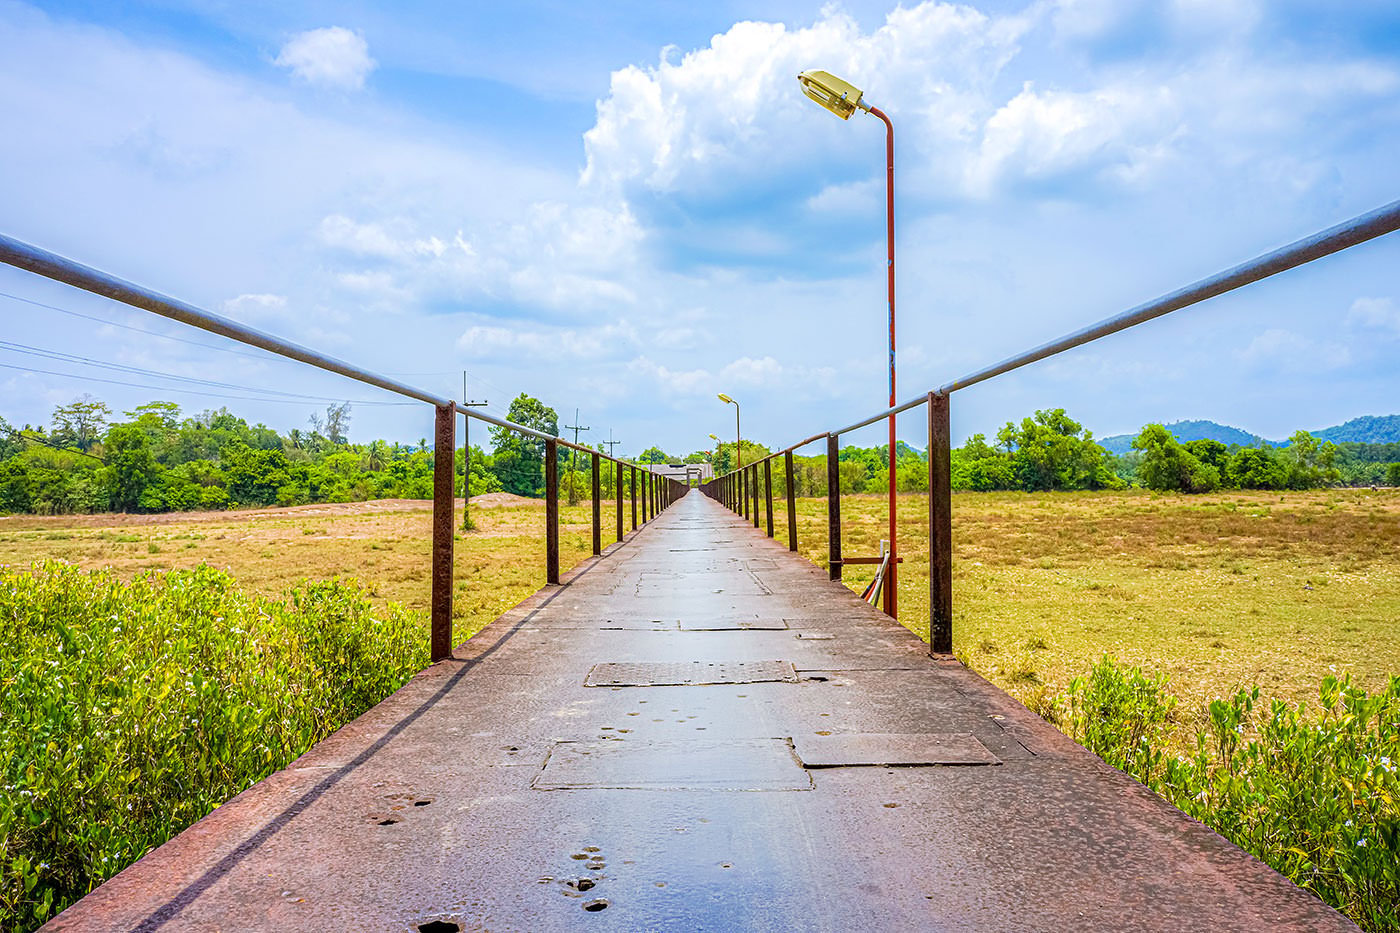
1361,843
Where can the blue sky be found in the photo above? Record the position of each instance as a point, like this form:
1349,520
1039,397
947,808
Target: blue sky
629,207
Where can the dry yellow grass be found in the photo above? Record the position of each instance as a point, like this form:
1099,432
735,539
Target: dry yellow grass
1219,591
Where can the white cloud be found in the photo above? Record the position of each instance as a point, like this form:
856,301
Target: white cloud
734,109
1290,352
1380,314
761,375
486,342
255,304
332,57
1041,134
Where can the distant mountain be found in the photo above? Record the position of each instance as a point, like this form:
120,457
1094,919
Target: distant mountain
1186,431
1368,429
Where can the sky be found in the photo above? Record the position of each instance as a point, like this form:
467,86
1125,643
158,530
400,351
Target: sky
626,208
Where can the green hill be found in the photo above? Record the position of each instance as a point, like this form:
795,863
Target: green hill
1368,429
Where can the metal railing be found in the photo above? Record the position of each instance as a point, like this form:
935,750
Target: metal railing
740,487
656,492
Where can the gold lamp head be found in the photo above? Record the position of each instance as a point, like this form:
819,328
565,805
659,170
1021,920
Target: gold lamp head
725,398
832,93
713,438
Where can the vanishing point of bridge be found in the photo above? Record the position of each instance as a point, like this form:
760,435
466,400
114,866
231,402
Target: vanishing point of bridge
697,731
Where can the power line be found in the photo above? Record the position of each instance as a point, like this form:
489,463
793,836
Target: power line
140,371
138,385
139,330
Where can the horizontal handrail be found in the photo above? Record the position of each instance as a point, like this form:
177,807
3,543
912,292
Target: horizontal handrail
50,265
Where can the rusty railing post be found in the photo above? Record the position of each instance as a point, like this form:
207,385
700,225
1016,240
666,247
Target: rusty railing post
617,494
940,527
791,502
646,496
551,510
768,492
632,477
597,505
753,478
833,506
444,474
742,478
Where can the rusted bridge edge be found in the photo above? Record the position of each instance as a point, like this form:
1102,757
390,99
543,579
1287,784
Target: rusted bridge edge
1044,835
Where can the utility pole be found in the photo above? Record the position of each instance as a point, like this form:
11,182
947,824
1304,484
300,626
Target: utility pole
573,460
610,443
467,453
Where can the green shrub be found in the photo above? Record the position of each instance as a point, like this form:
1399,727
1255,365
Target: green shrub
1315,795
130,710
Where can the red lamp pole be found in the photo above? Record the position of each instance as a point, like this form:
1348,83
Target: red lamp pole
891,598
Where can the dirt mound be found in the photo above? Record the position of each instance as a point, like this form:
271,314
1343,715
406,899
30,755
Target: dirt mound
493,499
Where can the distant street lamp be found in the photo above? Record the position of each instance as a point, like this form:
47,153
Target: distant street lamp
738,452
843,100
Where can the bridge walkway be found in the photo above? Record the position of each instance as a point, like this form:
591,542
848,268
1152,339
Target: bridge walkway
697,731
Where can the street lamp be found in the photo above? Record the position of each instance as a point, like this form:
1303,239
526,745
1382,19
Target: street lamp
843,100
738,453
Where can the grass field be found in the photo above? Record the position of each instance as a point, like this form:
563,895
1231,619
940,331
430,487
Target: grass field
1217,591
384,544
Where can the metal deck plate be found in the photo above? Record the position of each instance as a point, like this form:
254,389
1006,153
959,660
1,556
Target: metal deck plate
869,749
683,673
734,625
639,625
734,765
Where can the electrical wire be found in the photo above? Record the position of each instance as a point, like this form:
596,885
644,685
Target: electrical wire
139,330
62,357
139,385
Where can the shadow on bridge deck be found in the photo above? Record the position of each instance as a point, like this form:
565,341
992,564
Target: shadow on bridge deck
697,731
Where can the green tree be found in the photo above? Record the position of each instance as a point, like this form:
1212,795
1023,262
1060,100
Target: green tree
1168,466
1257,468
1392,475
519,460
654,455
79,424
1050,453
1312,462
130,466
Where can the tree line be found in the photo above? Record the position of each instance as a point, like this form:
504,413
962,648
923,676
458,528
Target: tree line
156,460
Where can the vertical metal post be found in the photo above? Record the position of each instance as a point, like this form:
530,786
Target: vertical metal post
742,478
444,474
753,478
940,527
597,505
791,502
466,461
768,492
551,510
646,496
833,506
617,494
632,476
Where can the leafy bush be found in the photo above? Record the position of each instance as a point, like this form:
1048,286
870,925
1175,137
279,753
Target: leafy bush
1315,796
130,710
1122,716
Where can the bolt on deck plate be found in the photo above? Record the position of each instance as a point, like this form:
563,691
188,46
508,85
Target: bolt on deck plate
727,765
688,673
873,749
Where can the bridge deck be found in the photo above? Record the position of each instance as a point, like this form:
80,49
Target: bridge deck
524,785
